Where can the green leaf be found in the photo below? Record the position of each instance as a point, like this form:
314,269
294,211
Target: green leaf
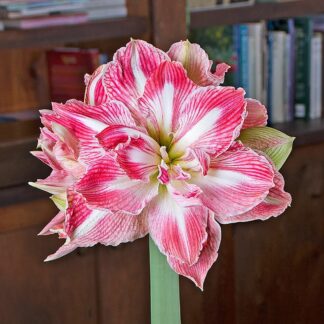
60,201
275,144
165,297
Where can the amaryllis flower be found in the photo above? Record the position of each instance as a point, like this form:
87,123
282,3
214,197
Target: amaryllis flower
160,148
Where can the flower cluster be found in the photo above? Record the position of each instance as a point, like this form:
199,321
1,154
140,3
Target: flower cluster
159,146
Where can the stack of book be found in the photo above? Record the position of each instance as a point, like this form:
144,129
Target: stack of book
18,14
198,4
277,62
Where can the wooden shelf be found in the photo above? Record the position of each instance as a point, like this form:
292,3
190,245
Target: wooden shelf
260,11
306,132
46,37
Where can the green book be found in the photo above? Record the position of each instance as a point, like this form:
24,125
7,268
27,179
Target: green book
304,31
218,42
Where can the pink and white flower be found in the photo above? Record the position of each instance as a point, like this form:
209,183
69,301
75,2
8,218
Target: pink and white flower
160,147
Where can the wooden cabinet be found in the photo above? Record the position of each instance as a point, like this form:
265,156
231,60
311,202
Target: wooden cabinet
267,272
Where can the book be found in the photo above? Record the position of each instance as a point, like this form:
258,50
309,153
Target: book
278,51
45,21
243,58
66,70
201,3
233,3
256,59
316,77
106,12
19,10
288,27
304,30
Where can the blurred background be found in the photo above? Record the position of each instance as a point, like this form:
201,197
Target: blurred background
267,272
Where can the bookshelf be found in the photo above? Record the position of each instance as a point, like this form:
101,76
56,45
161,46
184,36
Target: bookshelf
212,16
47,37
17,139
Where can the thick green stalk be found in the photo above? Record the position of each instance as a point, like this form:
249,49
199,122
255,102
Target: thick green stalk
165,297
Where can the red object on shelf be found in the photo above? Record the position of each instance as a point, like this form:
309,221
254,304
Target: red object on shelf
66,69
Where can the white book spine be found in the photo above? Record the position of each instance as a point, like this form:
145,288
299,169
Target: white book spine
278,52
316,77
286,77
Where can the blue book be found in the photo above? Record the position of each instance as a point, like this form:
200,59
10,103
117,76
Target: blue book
269,77
237,49
244,58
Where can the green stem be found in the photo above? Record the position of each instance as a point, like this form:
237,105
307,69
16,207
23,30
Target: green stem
165,297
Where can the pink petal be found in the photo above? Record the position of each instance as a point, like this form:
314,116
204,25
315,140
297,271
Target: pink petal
139,158
257,115
195,60
117,137
220,72
82,127
164,93
41,156
106,185
163,176
54,224
273,205
177,226
62,251
210,120
55,183
95,92
198,271
236,181
125,77
109,113
87,227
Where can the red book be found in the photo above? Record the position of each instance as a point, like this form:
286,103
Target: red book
66,69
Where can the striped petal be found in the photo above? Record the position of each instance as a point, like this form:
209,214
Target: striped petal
273,205
116,137
236,181
195,60
177,226
257,115
210,120
139,158
56,224
164,94
125,77
106,185
209,253
95,92
108,113
55,183
86,227
83,128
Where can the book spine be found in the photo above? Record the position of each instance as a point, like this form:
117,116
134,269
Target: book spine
244,59
277,80
319,81
269,75
251,62
315,78
303,66
286,78
291,68
259,37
